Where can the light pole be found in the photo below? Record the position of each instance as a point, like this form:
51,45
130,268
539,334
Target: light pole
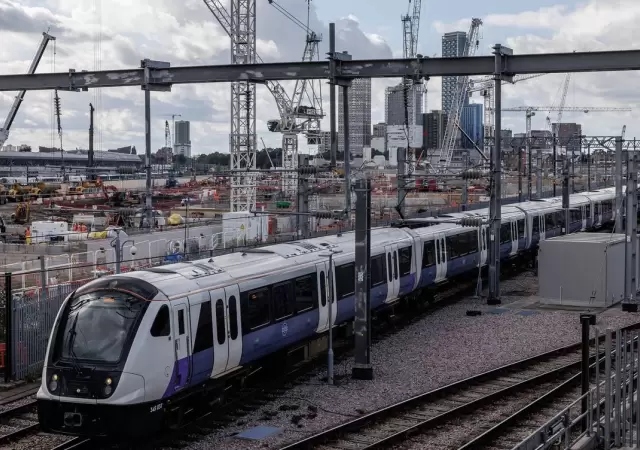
115,243
330,254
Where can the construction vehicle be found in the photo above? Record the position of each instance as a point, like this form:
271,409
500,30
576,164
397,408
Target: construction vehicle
44,190
86,187
22,213
20,192
171,179
3,194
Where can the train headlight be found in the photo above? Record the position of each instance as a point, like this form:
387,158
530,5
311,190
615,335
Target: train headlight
108,389
53,383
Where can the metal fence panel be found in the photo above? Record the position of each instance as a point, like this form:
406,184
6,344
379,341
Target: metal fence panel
33,314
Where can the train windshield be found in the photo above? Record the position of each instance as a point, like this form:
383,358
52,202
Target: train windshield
98,325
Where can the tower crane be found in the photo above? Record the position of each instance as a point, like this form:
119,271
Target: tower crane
167,135
4,130
173,125
485,86
290,109
461,93
563,99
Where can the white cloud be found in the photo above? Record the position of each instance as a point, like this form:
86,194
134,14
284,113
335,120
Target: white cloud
184,33
591,26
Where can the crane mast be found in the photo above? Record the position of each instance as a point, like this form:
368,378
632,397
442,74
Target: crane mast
411,28
462,84
4,131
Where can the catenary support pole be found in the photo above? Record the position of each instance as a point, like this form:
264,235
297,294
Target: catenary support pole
618,184
529,169
362,368
332,94
520,155
401,180
566,206
8,327
496,181
539,173
554,164
118,251
586,320
302,204
147,157
347,153
631,247
465,189
589,167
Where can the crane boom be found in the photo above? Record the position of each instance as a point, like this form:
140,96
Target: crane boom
411,28
563,99
4,131
461,93
584,109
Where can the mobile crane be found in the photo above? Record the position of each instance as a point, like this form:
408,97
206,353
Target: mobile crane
4,130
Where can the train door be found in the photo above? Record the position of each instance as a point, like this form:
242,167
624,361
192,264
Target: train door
597,208
393,272
234,326
542,225
583,210
323,305
181,338
483,245
441,258
220,332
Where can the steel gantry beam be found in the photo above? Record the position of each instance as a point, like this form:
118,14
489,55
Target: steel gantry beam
374,68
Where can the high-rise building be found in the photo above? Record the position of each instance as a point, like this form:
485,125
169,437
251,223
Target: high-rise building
325,142
379,130
182,138
507,137
471,122
435,125
394,111
569,136
453,45
359,117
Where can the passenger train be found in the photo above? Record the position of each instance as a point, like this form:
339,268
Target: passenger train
127,351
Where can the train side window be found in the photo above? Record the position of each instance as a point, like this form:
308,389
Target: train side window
204,332
405,261
258,313
323,289
161,324
549,221
221,331
521,228
233,318
505,233
452,246
282,300
305,293
587,211
428,254
378,270
395,265
345,280
389,269
181,322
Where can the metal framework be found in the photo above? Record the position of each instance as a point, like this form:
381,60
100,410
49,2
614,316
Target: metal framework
461,93
295,118
160,76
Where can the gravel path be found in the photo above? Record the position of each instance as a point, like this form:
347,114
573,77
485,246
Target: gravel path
444,347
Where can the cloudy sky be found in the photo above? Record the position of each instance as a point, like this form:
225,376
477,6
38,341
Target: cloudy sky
111,34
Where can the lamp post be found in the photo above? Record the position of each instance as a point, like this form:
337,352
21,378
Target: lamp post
115,243
330,254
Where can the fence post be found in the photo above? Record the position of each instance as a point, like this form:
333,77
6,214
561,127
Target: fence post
43,278
8,306
586,320
607,389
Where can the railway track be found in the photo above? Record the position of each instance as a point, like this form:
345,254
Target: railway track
458,414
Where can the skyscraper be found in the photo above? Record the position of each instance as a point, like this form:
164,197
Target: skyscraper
453,45
182,138
471,122
379,129
435,124
359,117
394,111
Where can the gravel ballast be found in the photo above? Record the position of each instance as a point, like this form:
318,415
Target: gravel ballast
444,347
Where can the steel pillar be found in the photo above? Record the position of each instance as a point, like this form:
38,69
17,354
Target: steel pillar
519,175
242,139
347,153
332,94
565,196
362,368
586,320
631,244
539,173
589,167
289,157
555,161
496,179
401,181
302,203
618,184
465,189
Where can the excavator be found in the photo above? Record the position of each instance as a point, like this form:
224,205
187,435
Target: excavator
87,187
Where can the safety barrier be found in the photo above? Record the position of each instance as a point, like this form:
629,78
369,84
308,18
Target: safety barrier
608,415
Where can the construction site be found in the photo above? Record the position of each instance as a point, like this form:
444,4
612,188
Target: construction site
74,200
